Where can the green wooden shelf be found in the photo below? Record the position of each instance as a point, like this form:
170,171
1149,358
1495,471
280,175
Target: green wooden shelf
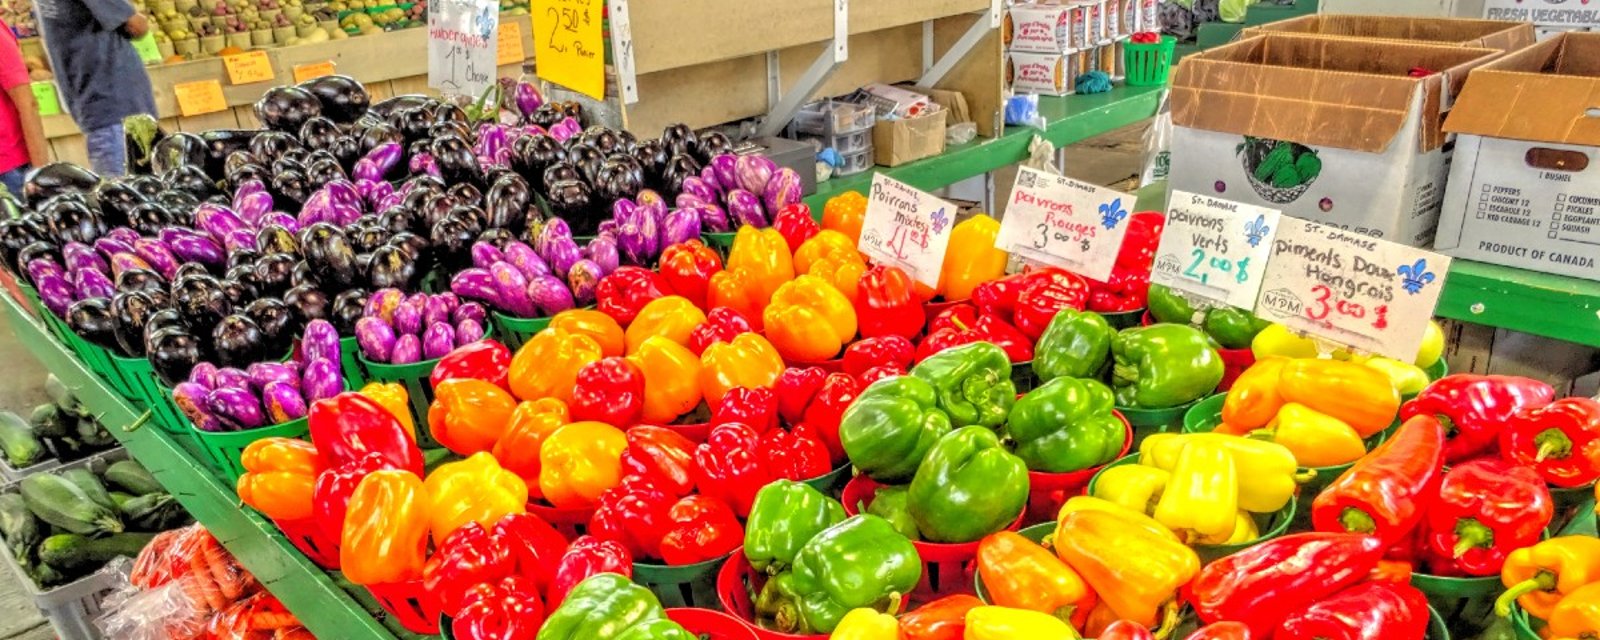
1542,304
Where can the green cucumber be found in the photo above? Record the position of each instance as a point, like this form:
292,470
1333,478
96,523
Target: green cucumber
21,447
58,501
49,422
20,529
86,480
73,552
133,478
153,512
63,397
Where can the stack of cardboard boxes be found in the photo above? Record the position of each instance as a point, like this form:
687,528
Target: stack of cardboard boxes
1051,42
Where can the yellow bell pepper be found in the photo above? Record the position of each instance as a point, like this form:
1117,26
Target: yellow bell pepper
579,462
1362,397
808,320
1244,530
672,317
1136,487
1002,623
595,324
547,365
1133,563
1407,378
477,490
393,396
671,378
1270,467
1202,498
748,361
972,259
1316,439
823,245
1091,503
758,263
1432,346
736,290
280,478
866,624
841,270
518,448
1253,399
385,535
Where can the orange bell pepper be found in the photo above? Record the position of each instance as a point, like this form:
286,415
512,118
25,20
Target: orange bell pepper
748,361
845,213
1131,561
843,271
671,378
280,474
823,245
477,490
468,415
595,324
1361,396
672,317
1254,400
1019,573
736,290
385,538
530,423
579,462
759,262
808,320
972,259
547,366
393,396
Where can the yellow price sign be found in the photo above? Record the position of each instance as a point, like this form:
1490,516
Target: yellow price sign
199,97
304,72
510,49
248,67
568,48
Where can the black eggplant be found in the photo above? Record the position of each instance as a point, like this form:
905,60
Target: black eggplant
413,123
378,134
572,199
446,112
191,269
190,179
14,235
679,138
276,322
116,199
508,202
343,99
275,237
318,133
348,307
620,176
57,178
303,274
327,249
200,299
269,145
457,129
368,238
178,206
386,106
713,144
307,302
324,168
273,270
457,163
290,188
679,168
239,159
239,294
222,142
70,219
36,250
497,236
150,186
546,116
90,318
245,173
531,154
394,220
558,171
600,138
451,237
132,280
243,257
465,192
286,108
173,352
347,149
652,157
415,245
238,340
245,276
178,150
587,159
129,312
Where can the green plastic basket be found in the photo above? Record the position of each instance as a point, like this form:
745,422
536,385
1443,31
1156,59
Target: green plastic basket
1468,603
96,358
515,332
832,483
1574,511
1149,421
1036,533
1147,65
151,392
1524,626
355,375
1120,320
692,585
222,448
722,242
1436,626
1023,377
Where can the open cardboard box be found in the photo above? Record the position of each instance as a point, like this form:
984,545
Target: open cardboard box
1486,34
897,142
1333,130
1525,184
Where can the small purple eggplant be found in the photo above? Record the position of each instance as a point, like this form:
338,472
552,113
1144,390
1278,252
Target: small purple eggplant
237,405
550,294
552,230
121,262
122,234
653,204
56,293
321,380
563,253
476,284
376,338
603,251
383,302
190,398
438,340
584,277
713,219
470,311
109,246
681,225
436,311
407,318
79,256
468,331
725,167
281,219
697,187
525,259
320,341
782,190
708,174
265,373
407,349
156,254
251,206
527,99
204,374
231,377
89,283
513,291
43,268
216,220
192,246
753,172
283,402
744,208
485,254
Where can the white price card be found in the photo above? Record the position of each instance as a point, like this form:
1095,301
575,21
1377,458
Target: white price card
463,44
1371,294
1215,249
1064,222
907,228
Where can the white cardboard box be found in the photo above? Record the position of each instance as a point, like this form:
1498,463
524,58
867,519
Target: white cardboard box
1046,74
1038,28
1361,138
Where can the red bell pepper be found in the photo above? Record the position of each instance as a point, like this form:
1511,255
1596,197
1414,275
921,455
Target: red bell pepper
795,388
509,609
662,457
1225,630
1474,409
1387,492
795,455
535,546
795,224
1044,292
700,528
1260,585
962,324
469,556
755,408
1126,630
486,360
633,514
999,297
827,408
609,390
722,324
623,292
1487,508
882,351
728,466
1560,441
1139,244
330,496
348,426
687,268
878,373
942,619
887,304
1367,611
587,556
1124,291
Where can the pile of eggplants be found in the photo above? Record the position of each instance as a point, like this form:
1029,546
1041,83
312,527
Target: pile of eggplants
396,328
263,393
541,280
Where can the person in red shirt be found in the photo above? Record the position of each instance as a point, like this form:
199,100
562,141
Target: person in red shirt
22,141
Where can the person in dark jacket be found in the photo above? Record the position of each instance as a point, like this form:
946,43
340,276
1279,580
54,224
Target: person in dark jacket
97,70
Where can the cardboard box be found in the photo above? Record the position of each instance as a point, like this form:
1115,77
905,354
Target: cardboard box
1484,350
1525,186
1333,130
1038,28
896,142
1047,74
1485,34
1149,16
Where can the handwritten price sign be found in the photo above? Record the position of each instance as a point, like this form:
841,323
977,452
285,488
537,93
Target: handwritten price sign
1371,294
1214,248
907,228
1066,223
463,38
567,45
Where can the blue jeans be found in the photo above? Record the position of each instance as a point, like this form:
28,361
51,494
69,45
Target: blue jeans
108,154
13,180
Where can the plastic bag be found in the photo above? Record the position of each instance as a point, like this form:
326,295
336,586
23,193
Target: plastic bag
1023,110
257,617
1158,146
165,612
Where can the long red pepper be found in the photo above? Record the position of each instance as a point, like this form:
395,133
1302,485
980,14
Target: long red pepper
1474,409
1387,492
1262,584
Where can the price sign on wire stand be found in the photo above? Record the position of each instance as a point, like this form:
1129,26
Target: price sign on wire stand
1215,249
568,48
1357,290
462,45
1063,222
907,228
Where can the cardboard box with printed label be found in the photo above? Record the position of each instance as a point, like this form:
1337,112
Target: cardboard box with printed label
1047,74
1336,131
1038,28
1486,34
1525,185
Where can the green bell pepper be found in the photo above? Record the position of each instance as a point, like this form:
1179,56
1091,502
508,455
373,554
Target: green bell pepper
1066,424
784,516
607,606
973,382
968,487
1163,365
1166,305
861,562
891,426
891,504
1076,344
1233,328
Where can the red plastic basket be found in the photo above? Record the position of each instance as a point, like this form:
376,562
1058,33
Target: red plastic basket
571,522
1048,491
309,538
713,625
947,569
408,604
736,581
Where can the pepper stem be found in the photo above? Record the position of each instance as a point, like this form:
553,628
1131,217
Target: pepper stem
1357,521
1471,534
787,618
1552,444
1064,613
1545,580
1266,435
894,603
1169,621
1305,476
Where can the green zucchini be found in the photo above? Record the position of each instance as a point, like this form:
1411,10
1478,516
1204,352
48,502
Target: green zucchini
154,512
45,575
63,397
132,477
17,441
121,499
86,480
73,552
90,432
49,422
20,529
58,501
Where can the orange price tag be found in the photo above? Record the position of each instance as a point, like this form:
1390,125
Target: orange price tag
199,97
304,72
248,67
510,49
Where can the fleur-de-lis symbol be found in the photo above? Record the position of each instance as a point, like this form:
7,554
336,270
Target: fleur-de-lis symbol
940,219
1415,276
1112,213
1256,230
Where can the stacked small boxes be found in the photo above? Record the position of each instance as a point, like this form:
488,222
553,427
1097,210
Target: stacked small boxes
841,126
1051,42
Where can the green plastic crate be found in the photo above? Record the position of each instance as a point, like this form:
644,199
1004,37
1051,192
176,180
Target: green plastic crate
223,448
96,358
515,332
692,585
153,394
1468,603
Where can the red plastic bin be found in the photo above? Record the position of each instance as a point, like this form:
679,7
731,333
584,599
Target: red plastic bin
309,538
1048,491
712,625
408,604
571,522
947,569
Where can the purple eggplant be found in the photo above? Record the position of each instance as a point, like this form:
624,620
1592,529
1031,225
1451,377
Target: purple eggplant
374,193
44,267
383,302
687,200
407,319
321,380
470,311
79,256
438,340
680,225
281,219
550,294
584,276
407,349
342,191
192,246
753,172
318,208
475,284
156,254
485,254
713,219
468,331
637,239
56,293
283,402
708,175
423,164
108,245
380,161
320,341
204,374
552,230
231,377
782,189
744,208
512,288
122,234
376,338
89,283
563,252
653,204
121,262
697,187
239,239
449,300
527,99
436,311
236,405
191,400
265,373
216,219
725,168
603,251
